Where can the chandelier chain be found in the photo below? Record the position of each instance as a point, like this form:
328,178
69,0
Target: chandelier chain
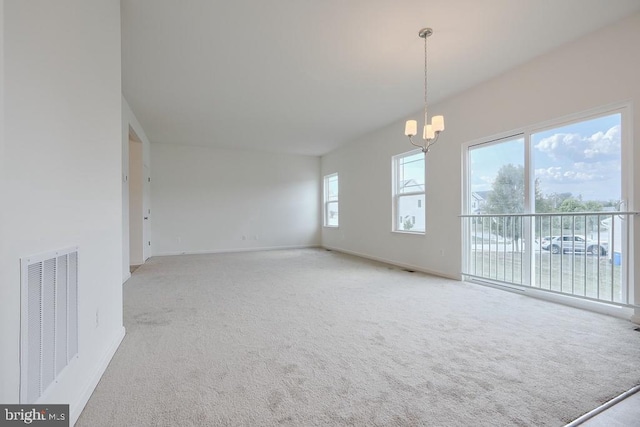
425,81
430,131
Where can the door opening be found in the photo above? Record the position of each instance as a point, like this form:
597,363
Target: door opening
136,213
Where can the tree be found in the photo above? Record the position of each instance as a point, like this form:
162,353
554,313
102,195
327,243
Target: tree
592,220
507,196
543,204
571,204
593,206
556,199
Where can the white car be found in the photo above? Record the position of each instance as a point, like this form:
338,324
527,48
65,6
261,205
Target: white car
574,243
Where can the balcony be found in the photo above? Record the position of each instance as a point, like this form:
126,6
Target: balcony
584,255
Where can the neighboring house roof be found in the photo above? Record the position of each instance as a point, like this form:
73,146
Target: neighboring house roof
481,195
411,183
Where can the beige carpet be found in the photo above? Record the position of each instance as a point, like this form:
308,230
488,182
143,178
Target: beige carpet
317,338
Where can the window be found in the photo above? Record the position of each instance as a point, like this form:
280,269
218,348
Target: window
408,192
541,207
578,166
496,172
331,200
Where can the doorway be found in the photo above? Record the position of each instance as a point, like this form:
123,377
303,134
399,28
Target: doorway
136,202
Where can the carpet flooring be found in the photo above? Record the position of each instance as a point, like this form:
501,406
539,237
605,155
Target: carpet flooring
317,338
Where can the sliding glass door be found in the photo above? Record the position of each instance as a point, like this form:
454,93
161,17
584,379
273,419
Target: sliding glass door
545,208
496,188
578,183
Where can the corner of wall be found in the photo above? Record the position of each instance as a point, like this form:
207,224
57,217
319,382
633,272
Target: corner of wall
77,407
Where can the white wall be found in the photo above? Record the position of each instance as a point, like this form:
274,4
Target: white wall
8,318
206,200
130,123
592,72
60,179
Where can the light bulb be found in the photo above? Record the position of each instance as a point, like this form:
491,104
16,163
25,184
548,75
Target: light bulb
428,132
411,128
438,123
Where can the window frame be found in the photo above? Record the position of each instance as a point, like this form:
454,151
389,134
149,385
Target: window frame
526,132
396,195
326,200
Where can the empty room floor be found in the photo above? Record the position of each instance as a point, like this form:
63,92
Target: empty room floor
312,337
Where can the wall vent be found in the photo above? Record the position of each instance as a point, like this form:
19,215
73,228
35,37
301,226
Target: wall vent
49,319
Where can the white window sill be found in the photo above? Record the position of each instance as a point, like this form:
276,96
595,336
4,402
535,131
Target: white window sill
415,233
330,226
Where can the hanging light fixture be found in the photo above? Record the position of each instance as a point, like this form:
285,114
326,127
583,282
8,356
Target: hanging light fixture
431,131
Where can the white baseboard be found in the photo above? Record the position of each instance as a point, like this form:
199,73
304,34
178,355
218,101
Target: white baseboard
234,250
126,277
396,263
75,409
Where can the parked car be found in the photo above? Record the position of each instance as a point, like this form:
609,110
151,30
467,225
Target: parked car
573,243
546,242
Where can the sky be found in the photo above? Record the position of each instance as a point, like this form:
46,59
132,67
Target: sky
411,168
581,158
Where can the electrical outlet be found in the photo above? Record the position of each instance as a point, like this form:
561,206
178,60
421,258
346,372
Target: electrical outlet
97,317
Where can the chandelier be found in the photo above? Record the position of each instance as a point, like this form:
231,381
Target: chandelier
431,131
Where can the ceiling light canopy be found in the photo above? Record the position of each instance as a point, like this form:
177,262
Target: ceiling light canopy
431,131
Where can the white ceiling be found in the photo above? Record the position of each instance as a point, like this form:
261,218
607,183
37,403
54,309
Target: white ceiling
305,76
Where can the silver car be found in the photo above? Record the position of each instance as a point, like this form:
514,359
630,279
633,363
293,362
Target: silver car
573,244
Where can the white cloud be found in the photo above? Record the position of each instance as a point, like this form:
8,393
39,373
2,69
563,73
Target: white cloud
604,143
579,176
552,173
561,145
579,172
576,147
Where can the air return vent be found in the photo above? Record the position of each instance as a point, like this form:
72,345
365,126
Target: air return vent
49,319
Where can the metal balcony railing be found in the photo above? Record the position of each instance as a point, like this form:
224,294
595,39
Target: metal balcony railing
585,255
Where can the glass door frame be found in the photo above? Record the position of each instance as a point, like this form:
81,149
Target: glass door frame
626,190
